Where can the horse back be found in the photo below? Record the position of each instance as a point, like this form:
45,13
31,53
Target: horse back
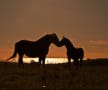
31,48
24,43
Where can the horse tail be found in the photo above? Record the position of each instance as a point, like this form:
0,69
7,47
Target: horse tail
14,54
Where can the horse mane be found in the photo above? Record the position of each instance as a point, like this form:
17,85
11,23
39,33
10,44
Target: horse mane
68,42
46,36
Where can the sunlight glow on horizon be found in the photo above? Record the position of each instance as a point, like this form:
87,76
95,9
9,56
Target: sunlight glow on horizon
90,55
47,60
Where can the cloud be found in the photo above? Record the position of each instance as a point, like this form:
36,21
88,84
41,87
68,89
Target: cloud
99,42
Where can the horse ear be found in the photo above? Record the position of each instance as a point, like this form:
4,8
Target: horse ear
53,33
63,36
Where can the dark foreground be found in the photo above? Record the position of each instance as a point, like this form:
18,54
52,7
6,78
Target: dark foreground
93,75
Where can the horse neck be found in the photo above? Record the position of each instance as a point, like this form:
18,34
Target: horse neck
69,45
57,43
44,40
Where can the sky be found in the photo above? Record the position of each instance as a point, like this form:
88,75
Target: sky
84,22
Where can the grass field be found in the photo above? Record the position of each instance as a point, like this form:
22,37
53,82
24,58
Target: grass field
93,75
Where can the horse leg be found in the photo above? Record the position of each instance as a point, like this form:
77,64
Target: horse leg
69,59
76,65
76,62
20,60
81,61
43,59
40,60
69,62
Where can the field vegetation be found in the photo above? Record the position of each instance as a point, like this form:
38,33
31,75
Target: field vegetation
93,75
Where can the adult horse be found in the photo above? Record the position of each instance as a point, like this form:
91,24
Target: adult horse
37,48
72,53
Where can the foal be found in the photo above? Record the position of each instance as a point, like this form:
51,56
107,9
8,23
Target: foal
76,54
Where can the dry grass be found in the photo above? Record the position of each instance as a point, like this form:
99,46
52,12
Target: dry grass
93,75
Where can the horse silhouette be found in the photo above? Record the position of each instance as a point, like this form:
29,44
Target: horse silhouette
72,53
37,48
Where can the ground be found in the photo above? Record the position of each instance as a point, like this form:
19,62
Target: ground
93,75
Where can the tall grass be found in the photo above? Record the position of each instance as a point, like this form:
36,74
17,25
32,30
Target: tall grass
53,77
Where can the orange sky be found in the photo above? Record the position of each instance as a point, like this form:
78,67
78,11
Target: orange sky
84,22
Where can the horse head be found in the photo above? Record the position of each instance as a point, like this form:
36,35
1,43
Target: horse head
62,42
65,41
54,39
